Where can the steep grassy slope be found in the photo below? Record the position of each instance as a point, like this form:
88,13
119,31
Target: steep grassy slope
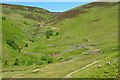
18,30
77,38
108,71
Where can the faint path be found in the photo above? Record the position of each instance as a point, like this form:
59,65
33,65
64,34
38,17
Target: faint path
68,75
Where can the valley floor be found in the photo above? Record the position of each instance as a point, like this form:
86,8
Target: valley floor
66,69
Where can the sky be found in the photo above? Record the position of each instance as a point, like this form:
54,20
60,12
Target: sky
46,0
51,6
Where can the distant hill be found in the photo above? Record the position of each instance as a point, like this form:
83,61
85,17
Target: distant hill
80,10
30,12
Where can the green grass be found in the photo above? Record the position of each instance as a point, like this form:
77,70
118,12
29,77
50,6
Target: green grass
96,30
108,71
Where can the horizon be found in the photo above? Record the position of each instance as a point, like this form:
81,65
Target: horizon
50,6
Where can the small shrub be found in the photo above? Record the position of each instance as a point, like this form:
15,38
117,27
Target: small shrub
26,45
56,34
85,40
39,63
47,58
68,59
12,43
29,63
6,62
48,34
60,59
16,62
22,62
3,18
19,49
31,40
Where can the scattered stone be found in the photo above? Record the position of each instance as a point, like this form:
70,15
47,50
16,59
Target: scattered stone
36,70
85,53
95,51
108,63
55,28
54,54
99,66
16,36
21,75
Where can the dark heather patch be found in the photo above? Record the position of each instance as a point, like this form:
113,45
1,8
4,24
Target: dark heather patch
102,4
95,20
34,17
81,10
68,14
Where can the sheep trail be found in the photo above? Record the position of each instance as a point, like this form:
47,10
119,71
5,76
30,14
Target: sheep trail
68,75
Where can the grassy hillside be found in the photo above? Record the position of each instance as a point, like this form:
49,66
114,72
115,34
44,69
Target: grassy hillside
61,43
27,11
18,30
